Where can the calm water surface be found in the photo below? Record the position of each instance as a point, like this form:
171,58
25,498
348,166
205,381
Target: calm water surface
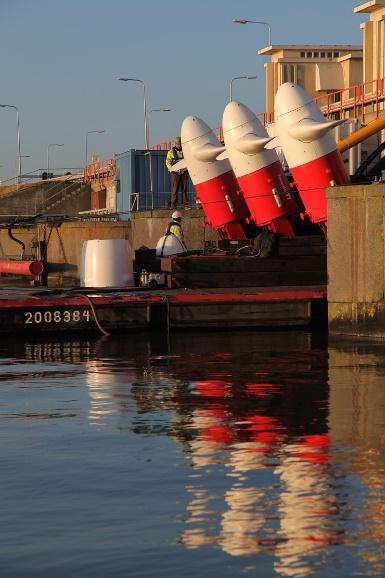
232,454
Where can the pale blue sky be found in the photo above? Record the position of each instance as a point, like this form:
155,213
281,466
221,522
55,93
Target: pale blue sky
60,60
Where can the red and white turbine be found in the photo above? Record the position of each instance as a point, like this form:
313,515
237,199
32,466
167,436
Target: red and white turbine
309,147
259,172
214,181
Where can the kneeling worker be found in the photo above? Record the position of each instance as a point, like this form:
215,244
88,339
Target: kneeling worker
175,226
172,243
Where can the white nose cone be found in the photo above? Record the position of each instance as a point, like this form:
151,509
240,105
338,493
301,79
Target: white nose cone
200,150
259,172
213,179
310,148
294,103
245,139
303,131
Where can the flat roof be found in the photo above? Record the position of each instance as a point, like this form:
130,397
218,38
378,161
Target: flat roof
370,6
277,47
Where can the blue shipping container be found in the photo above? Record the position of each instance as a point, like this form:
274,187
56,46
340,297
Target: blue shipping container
134,191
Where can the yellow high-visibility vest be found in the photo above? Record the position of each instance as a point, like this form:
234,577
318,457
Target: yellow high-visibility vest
175,228
173,156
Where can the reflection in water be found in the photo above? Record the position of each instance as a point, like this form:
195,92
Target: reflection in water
101,384
305,506
357,402
282,440
263,417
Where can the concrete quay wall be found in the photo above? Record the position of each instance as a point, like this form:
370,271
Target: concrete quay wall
64,240
356,260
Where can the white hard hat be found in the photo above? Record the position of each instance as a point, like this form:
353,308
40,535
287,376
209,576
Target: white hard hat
176,215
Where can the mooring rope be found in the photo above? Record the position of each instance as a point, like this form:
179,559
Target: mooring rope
94,314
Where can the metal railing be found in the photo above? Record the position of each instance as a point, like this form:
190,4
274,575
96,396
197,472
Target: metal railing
40,175
99,170
57,191
133,202
334,104
356,98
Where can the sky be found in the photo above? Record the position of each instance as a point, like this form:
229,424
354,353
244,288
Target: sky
60,61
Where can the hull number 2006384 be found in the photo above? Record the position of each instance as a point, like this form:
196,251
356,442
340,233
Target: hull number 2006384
67,316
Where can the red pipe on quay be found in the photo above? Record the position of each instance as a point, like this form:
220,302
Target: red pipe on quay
15,267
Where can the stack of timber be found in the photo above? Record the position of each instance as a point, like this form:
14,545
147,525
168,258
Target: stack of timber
299,261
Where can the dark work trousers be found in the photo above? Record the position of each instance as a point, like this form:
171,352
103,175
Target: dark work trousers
178,180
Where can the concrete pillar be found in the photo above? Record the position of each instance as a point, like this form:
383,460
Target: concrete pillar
356,259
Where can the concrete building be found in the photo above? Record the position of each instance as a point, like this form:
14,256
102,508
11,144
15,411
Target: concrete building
373,40
319,69
347,81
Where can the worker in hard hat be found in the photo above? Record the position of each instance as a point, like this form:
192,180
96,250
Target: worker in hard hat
172,242
175,226
178,178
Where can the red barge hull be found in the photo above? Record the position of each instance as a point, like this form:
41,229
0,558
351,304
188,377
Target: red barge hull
31,312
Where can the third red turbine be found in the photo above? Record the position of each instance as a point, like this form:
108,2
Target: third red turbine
309,147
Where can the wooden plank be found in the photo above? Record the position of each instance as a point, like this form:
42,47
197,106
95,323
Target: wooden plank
306,240
253,279
310,245
257,314
292,250
244,265
300,240
166,264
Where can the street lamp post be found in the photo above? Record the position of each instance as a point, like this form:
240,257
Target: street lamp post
18,136
146,135
23,157
149,152
243,21
149,117
146,130
86,140
48,147
239,78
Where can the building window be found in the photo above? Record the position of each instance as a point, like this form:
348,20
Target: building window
322,54
288,73
300,74
309,54
316,54
336,54
334,97
292,73
330,54
303,54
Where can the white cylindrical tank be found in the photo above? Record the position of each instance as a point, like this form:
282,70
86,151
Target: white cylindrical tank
170,245
106,263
